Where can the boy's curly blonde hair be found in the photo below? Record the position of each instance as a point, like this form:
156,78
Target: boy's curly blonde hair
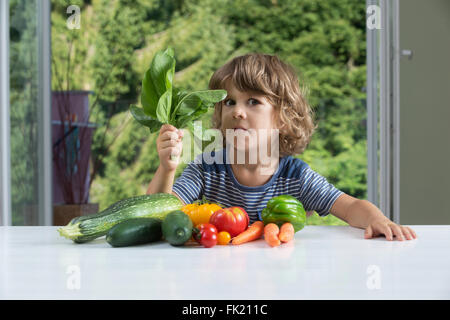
278,82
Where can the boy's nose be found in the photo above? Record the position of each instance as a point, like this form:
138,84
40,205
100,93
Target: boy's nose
238,112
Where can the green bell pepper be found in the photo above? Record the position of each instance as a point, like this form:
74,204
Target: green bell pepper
284,208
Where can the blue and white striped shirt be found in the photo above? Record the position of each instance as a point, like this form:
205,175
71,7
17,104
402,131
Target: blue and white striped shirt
217,183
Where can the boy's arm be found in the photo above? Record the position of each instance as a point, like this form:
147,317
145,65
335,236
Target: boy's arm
162,181
363,214
179,198
355,212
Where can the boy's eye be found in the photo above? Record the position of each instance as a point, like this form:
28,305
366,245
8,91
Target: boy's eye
251,101
228,102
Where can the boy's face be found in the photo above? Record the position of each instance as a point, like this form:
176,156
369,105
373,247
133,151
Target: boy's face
250,111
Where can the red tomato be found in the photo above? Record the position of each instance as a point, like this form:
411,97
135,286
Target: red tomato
233,220
206,234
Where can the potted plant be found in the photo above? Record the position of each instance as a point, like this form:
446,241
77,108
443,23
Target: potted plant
72,138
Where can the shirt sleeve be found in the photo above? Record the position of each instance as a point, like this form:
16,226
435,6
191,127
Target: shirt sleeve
190,185
316,193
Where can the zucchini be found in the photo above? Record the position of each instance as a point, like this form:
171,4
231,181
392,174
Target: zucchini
89,227
177,228
134,231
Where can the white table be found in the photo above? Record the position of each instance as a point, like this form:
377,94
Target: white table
323,262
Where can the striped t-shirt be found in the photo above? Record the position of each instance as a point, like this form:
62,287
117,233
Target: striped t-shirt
218,184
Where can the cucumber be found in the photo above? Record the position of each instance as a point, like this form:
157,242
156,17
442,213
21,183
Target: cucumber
90,227
177,228
134,231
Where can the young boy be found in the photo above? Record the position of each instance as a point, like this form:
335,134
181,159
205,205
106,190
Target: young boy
263,96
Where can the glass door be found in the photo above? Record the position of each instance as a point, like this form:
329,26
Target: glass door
29,116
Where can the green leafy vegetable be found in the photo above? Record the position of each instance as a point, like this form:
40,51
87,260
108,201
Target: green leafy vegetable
163,103
142,118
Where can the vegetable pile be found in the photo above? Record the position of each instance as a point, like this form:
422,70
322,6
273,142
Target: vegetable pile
152,218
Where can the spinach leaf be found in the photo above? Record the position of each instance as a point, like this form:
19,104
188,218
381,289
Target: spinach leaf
177,96
192,101
142,118
162,71
149,98
183,121
163,109
157,80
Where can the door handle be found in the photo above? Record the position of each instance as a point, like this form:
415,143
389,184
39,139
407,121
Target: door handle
407,53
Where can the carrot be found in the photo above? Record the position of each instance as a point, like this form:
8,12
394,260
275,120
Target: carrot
253,232
271,231
286,232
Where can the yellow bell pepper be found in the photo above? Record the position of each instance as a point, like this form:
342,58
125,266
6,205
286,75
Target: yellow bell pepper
200,212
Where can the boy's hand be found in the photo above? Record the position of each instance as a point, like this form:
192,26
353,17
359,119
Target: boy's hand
169,146
384,226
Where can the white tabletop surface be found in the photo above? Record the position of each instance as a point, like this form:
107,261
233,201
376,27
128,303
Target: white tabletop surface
323,262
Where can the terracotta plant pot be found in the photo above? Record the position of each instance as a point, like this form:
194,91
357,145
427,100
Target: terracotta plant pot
62,214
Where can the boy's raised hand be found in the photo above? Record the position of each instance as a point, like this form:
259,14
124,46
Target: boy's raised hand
169,146
384,226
